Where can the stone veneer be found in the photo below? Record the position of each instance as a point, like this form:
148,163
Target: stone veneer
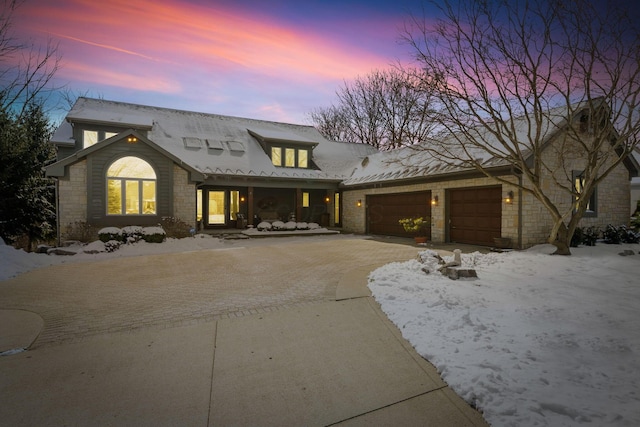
72,196
184,196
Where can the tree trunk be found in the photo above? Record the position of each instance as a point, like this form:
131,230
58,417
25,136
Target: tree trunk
561,241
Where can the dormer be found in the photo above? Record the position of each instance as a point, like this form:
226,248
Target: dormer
286,149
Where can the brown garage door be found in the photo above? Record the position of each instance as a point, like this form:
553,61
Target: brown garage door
384,211
475,215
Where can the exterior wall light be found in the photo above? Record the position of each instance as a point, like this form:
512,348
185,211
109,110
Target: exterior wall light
434,200
242,199
359,203
132,139
327,199
509,198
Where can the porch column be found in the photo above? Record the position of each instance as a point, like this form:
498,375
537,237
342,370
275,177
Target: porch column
250,205
298,204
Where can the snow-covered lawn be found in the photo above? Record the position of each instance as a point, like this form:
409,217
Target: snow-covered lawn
536,340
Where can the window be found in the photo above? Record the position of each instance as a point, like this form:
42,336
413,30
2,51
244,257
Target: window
578,185
290,157
91,137
305,199
302,159
131,187
276,156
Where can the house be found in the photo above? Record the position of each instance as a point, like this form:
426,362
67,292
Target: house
123,164
126,164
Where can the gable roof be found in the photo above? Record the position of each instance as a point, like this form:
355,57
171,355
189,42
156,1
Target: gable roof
213,144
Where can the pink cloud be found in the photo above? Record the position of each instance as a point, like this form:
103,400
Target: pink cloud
197,36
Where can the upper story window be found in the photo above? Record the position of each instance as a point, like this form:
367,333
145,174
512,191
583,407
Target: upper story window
290,157
131,187
91,137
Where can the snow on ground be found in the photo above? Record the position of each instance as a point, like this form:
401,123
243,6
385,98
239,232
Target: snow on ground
536,340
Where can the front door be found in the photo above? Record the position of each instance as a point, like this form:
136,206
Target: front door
220,208
216,208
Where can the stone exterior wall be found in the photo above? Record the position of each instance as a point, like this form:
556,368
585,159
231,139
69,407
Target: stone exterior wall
72,196
184,196
354,217
613,194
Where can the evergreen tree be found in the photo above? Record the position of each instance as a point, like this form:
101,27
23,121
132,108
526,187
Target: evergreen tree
27,197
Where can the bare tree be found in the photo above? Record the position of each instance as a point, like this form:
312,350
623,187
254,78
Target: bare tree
386,109
508,71
26,71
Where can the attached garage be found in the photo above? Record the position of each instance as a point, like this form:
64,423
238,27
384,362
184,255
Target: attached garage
475,215
384,211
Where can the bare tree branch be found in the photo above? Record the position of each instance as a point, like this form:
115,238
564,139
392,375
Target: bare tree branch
509,73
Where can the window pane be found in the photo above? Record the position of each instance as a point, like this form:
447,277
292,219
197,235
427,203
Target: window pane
199,205
234,204
148,197
108,135
89,137
290,157
114,197
305,200
131,167
303,158
132,197
276,156
336,208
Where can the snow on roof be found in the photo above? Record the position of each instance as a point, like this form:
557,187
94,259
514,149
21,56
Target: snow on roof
415,162
224,145
64,135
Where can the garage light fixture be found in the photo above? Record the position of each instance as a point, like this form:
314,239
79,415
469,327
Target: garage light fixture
509,198
434,201
359,203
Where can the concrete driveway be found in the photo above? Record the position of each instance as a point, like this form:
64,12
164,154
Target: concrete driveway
278,333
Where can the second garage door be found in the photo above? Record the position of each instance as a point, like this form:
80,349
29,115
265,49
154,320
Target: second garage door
475,215
384,211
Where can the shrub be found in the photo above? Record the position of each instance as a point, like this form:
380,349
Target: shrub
112,245
278,225
175,227
635,223
578,237
153,234
590,235
302,226
131,233
620,234
110,233
264,226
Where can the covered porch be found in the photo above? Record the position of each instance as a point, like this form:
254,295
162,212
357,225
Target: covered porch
236,207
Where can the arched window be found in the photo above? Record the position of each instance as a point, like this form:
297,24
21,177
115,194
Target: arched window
131,187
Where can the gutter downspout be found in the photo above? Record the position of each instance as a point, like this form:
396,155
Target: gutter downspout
520,193
58,236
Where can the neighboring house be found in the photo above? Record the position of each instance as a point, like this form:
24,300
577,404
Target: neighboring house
125,164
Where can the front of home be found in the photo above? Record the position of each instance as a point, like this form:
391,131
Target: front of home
127,164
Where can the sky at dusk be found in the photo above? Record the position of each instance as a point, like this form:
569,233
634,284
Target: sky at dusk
272,60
